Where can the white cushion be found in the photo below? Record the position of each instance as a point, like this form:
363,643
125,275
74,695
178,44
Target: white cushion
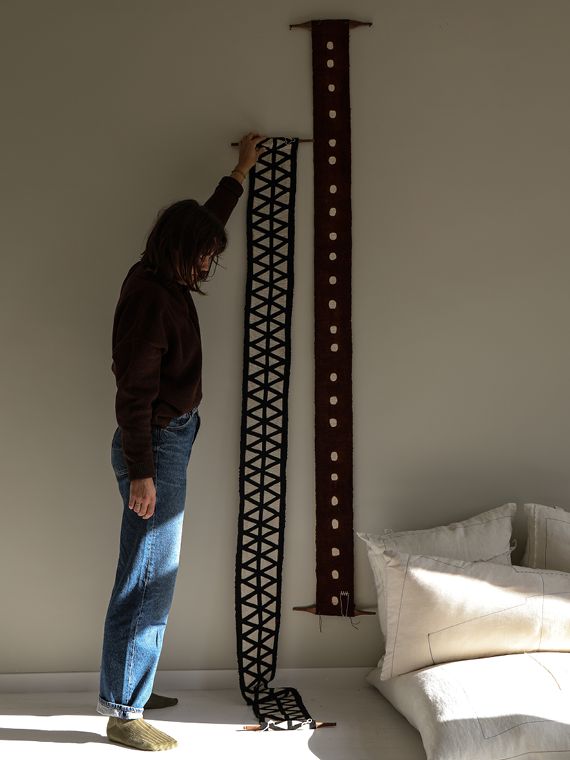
484,537
441,609
492,708
548,538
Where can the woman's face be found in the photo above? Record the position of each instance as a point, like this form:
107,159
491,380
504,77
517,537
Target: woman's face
202,268
204,264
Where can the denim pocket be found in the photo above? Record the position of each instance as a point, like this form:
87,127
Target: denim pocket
183,421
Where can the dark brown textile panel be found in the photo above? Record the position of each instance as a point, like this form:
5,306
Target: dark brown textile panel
333,331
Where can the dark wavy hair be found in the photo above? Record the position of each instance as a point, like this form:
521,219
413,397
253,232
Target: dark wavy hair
182,236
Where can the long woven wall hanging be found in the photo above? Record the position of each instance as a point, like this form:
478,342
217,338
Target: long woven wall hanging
332,308
263,451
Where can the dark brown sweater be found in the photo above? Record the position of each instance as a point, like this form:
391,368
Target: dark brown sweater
157,351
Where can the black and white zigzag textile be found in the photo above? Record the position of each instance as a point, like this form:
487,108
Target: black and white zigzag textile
263,451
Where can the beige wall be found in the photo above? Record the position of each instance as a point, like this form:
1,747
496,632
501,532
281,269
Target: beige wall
461,182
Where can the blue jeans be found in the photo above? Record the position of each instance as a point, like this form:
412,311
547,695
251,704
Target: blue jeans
149,551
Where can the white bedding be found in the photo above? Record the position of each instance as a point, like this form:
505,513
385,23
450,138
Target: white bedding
491,708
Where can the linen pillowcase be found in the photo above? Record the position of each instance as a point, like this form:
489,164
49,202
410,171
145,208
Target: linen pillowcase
491,708
441,609
548,538
484,537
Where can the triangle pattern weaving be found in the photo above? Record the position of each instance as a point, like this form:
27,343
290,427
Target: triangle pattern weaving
263,449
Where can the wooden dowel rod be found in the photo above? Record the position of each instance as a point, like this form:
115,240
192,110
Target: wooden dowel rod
307,140
309,24
318,724
313,610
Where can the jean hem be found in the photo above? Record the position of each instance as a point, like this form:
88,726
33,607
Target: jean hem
112,709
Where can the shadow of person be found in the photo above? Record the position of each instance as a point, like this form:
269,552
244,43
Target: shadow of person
61,737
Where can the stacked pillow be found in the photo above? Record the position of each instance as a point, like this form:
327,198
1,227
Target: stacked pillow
450,592
477,650
443,610
485,537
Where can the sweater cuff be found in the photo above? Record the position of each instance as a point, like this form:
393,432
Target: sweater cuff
140,470
232,184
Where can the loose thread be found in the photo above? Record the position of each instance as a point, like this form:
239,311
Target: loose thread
346,596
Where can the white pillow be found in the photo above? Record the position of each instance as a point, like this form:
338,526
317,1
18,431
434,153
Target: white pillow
441,609
492,708
484,537
548,538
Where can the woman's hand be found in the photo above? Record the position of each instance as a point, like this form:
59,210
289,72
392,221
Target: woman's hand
142,497
249,152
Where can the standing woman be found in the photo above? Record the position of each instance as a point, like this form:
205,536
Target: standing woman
157,363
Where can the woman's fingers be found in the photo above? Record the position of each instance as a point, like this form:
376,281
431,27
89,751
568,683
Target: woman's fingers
250,150
145,510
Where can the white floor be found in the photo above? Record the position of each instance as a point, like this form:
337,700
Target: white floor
209,724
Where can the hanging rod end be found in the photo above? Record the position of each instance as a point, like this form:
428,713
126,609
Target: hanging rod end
310,608
353,24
